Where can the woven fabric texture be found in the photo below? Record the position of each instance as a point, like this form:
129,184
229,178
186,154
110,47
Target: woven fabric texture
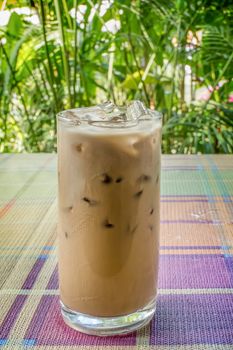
195,300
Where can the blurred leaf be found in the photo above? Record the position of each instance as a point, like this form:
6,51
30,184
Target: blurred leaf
159,57
14,25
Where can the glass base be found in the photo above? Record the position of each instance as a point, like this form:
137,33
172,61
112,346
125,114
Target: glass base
104,326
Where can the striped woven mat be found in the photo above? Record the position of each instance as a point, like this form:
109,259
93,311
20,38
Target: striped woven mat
195,302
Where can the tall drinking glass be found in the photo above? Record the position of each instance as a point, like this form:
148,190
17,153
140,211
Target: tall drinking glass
109,194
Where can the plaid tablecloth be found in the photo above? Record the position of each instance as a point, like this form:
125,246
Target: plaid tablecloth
195,302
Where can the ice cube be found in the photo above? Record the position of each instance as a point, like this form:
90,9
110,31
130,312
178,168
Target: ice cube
110,115
136,110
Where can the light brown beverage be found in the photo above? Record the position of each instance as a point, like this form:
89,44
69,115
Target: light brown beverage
109,197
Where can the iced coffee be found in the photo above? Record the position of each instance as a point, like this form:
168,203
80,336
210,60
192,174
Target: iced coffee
109,194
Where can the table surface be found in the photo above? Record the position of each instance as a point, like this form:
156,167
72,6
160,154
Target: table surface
195,300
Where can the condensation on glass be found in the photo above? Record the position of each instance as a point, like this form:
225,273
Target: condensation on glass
108,222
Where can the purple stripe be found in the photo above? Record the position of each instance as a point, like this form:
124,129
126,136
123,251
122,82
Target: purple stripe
194,195
38,318
186,195
33,274
53,281
193,319
12,315
194,271
229,266
181,256
184,200
179,247
48,317
196,200
189,222
192,168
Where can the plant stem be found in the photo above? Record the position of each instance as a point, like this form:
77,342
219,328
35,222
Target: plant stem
110,71
147,69
138,67
63,49
42,78
129,66
182,86
75,51
64,3
50,71
174,70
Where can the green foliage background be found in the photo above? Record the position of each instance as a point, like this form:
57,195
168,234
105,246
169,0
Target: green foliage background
63,63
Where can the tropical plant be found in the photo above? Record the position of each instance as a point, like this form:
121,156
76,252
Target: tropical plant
84,52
